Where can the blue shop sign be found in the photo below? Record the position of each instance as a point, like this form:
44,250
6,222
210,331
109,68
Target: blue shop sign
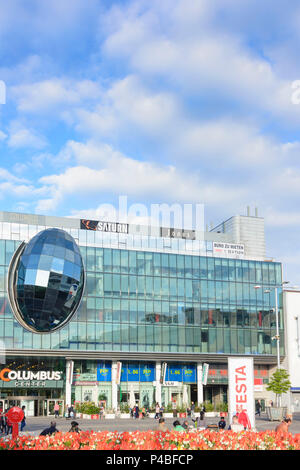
181,373
189,374
147,373
104,372
137,372
174,373
133,373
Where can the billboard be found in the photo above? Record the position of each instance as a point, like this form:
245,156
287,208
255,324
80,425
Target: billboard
241,387
101,226
231,250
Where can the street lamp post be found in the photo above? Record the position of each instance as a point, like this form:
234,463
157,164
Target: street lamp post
277,337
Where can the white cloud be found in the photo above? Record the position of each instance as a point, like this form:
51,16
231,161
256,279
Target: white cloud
114,173
54,93
23,138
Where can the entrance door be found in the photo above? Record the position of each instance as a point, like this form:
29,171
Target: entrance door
50,407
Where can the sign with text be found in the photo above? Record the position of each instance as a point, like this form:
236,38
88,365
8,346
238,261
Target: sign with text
177,233
95,225
228,250
241,387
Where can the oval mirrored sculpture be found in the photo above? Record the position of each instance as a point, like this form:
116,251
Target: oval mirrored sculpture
46,281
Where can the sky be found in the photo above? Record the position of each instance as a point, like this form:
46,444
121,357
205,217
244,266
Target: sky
173,101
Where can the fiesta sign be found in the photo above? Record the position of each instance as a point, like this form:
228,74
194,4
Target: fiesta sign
241,387
6,375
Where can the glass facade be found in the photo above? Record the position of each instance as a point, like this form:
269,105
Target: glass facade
47,281
138,300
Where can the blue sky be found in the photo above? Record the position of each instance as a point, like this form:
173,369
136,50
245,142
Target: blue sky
174,101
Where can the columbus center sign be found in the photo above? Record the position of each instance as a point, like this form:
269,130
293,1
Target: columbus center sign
28,378
241,387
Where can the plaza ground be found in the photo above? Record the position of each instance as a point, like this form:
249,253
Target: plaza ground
35,425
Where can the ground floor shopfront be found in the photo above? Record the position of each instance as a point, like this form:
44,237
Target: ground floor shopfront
40,383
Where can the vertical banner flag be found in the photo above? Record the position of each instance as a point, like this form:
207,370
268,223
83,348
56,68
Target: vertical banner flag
241,387
163,372
70,369
205,368
118,375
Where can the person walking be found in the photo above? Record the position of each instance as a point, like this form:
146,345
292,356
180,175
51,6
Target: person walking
174,406
192,410
258,408
157,411
23,422
56,410
8,424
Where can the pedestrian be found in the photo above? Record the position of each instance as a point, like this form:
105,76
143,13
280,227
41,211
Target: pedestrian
23,422
222,423
136,412
51,430
8,424
283,427
74,427
56,410
200,422
157,411
71,411
162,425
2,423
174,408
258,408
161,411
193,410
101,411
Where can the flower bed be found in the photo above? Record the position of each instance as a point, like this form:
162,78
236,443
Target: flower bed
156,440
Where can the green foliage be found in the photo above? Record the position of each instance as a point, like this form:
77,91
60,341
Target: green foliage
208,406
87,408
124,408
279,382
102,397
222,407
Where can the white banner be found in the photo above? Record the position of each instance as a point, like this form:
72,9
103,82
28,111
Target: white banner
118,372
241,387
230,250
205,368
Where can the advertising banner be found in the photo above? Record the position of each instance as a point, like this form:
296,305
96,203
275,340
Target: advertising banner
189,374
241,387
119,371
104,372
95,225
231,250
205,369
138,372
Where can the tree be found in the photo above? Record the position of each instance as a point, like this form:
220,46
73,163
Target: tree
279,383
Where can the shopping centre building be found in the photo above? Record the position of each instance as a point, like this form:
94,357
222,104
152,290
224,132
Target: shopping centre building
154,305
